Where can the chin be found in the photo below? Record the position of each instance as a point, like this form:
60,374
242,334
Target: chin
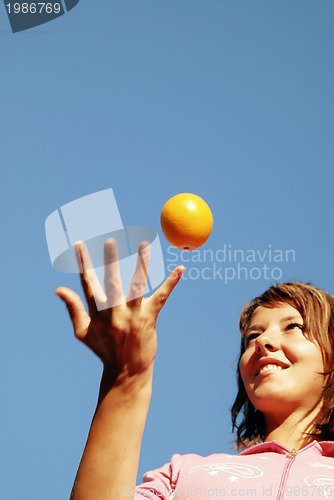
269,400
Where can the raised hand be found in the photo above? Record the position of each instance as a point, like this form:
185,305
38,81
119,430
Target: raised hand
120,330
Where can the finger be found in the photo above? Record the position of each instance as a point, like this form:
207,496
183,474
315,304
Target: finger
139,280
158,299
77,311
90,283
112,275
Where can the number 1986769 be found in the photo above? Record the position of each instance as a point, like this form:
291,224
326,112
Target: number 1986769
33,8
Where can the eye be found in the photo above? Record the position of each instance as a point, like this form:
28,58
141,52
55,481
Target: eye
293,326
250,337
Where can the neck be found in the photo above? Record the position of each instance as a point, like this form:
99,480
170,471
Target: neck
291,431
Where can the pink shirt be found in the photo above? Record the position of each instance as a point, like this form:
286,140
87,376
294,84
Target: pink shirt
266,470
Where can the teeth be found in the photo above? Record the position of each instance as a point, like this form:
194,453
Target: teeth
267,368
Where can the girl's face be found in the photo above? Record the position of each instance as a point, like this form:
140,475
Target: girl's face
280,367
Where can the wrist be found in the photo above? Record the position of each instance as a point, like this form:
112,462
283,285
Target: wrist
128,388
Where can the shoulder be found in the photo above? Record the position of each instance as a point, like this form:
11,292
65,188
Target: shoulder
179,461
190,461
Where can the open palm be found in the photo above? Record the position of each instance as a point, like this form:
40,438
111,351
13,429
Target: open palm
120,330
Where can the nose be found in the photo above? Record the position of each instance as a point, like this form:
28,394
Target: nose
267,341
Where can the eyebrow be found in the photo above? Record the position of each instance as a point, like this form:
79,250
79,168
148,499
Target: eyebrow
283,320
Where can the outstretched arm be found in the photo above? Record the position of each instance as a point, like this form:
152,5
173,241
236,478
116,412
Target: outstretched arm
122,332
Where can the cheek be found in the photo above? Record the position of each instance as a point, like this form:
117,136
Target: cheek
243,366
317,360
306,355
305,352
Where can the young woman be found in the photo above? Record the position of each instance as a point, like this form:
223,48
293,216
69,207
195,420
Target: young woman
285,396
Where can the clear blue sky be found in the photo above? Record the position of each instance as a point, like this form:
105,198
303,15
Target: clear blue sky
231,100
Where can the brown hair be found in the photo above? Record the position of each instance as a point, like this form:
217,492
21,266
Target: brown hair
317,310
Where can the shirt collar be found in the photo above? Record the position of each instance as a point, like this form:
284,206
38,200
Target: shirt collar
324,448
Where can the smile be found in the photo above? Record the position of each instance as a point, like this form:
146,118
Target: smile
268,369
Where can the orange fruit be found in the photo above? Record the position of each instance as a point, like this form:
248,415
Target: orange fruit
186,221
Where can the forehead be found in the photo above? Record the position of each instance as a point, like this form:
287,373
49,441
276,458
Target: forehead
277,313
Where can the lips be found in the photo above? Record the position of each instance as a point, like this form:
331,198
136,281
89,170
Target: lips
268,365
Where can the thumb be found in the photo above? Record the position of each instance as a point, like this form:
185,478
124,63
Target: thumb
160,296
76,310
